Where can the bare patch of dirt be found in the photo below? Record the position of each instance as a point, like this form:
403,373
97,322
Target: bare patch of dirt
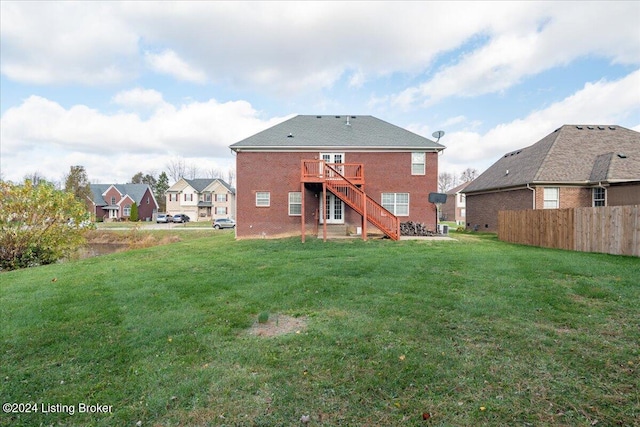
278,324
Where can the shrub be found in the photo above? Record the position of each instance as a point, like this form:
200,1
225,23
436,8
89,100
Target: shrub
38,224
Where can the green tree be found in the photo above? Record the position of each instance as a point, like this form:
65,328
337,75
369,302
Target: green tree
133,216
77,183
162,185
38,224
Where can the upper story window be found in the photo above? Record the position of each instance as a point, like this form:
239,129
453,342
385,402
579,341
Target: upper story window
599,196
551,198
113,200
207,197
221,197
462,199
418,163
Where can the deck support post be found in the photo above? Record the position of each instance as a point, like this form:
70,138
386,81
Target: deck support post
302,213
364,216
324,211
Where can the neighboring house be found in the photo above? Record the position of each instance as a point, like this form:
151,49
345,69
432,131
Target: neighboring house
112,202
574,166
201,199
311,172
455,207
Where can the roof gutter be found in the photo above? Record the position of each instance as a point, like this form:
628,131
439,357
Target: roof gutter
533,194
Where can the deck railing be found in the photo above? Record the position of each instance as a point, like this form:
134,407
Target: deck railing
357,199
315,171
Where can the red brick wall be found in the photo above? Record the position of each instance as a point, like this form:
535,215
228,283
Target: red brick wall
570,197
279,173
146,210
482,209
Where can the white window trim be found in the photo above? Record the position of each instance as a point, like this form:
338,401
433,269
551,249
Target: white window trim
266,195
292,203
422,163
555,200
394,208
593,197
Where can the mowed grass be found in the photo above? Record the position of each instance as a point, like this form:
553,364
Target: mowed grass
464,333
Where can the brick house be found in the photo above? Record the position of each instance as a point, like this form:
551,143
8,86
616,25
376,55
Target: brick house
345,174
455,207
202,199
112,202
574,166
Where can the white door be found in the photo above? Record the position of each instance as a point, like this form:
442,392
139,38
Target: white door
333,158
335,210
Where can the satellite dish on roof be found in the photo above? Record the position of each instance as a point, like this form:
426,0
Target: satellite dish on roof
438,134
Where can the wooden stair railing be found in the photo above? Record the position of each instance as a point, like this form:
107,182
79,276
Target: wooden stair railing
356,198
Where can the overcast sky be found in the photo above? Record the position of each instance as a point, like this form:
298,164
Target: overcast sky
126,87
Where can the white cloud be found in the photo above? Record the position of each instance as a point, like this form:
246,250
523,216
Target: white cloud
64,42
603,102
168,62
42,132
294,47
530,40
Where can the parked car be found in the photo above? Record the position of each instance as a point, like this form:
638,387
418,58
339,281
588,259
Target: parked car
162,217
181,218
223,223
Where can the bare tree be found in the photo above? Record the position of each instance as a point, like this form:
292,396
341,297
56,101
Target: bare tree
446,181
192,171
214,173
469,174
176,169
231,176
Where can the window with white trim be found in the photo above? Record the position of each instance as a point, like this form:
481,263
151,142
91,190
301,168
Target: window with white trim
418,163
551,198
221,197
599,196
263,199
396,203
221,210
113,200
126,211
295,203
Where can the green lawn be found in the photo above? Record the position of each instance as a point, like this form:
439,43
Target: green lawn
471,332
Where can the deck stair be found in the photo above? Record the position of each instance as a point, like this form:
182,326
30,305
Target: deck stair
331,174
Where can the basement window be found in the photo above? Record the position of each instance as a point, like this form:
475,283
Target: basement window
263,199
295,203
396,203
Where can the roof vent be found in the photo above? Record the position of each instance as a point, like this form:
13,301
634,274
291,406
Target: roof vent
601,127
622,155
579,127
590,127
318,117
612,127
290,135
348,124
337,117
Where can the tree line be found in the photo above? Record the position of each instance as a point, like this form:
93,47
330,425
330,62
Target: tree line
448,180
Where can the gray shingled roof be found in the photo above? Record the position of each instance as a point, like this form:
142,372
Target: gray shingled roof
135,191
199,184
577,154
361,132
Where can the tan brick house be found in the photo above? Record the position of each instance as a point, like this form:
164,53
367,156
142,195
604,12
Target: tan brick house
574,166
353,174
202,199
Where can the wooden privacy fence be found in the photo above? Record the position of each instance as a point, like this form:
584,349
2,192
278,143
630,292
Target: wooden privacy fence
609,229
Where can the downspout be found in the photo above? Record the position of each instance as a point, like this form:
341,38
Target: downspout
533,194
